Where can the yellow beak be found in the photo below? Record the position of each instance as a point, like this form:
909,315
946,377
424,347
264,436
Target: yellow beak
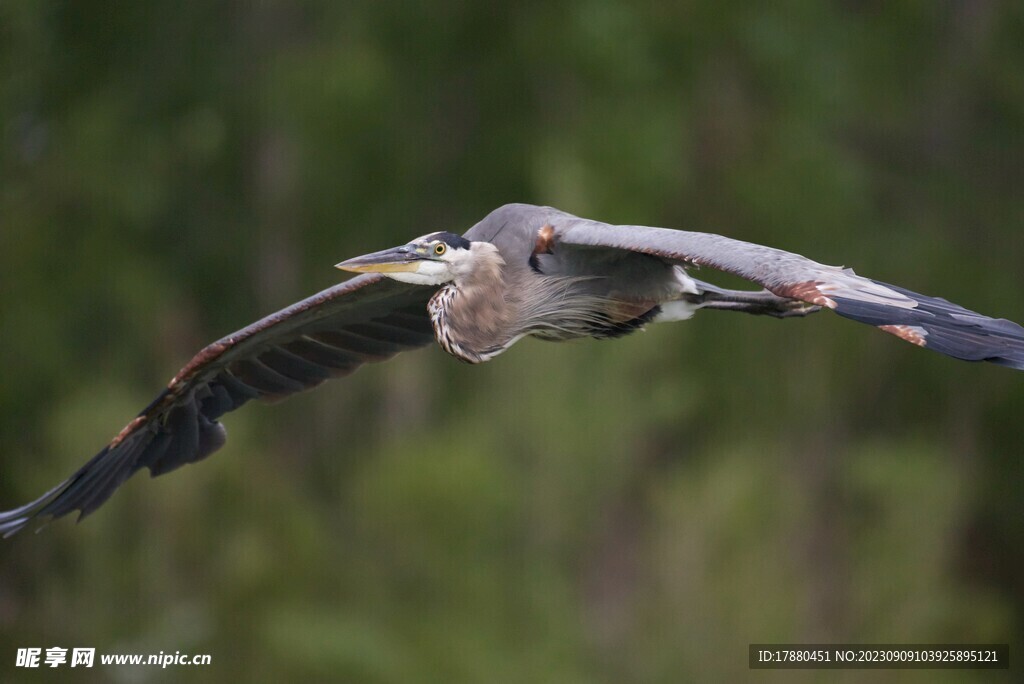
392,260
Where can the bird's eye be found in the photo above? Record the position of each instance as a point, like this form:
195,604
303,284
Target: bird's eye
440,248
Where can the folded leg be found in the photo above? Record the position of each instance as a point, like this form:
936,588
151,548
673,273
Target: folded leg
762,303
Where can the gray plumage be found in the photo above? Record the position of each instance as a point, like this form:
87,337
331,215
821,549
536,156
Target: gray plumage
521,271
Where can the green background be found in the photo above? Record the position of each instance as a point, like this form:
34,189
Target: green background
629,511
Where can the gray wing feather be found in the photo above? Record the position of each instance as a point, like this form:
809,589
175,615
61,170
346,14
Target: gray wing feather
929,322
368,318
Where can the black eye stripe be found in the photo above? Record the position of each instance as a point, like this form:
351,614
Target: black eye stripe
450,239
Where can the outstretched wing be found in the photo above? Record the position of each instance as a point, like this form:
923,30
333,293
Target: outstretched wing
929,322
368,318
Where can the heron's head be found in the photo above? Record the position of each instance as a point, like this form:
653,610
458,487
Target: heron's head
429,260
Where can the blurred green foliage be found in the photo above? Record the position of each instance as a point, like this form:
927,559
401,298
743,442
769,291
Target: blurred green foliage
630,511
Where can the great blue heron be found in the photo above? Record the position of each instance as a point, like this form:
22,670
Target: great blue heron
522,270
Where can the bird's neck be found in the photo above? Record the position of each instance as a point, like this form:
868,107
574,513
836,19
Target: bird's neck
473,316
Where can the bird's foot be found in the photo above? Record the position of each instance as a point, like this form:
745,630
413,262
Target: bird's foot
793,307
763,303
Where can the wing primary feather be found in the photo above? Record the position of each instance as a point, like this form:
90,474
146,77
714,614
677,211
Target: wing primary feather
16,519
119,469
218,402
293,366
93,484
155,451
367,347
239,391
942,326
265,379
381,330
212,436
182,423
325,355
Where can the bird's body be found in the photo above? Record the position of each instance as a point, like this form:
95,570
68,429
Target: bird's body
485,311
521,271
508,283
